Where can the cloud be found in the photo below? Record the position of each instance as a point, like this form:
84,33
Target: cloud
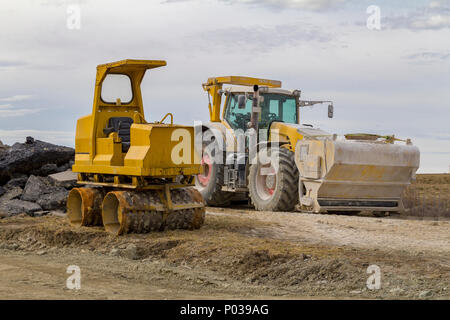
435,16
59,3
427,57
59,137
16,98
314,5
297,4
263,39
7,111
432,22
11,64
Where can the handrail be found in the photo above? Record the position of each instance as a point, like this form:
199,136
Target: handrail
139,118
171,118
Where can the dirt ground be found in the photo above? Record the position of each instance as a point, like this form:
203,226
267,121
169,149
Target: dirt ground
238,253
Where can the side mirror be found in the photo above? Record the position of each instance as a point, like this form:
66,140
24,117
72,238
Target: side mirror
241,101
330,111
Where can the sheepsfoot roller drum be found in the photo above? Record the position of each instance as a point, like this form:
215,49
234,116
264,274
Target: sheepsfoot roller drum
84,206
152,210
138,175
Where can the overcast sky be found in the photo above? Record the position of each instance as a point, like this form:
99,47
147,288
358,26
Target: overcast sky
390,81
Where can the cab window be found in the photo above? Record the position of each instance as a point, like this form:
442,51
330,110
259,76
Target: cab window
116,86
278,107
238,118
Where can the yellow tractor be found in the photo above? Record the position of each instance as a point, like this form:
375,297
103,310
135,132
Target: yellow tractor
138,176
255,147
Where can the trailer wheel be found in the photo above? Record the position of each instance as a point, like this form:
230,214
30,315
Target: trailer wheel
210,182
274,187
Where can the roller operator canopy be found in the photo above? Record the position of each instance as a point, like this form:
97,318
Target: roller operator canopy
127,66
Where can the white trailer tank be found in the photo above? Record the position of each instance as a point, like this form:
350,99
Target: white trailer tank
364,173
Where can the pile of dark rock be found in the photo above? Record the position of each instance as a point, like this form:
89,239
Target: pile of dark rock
35,177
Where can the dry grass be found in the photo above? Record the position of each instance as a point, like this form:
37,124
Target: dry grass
428,197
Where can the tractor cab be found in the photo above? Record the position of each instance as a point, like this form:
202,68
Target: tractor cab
276,105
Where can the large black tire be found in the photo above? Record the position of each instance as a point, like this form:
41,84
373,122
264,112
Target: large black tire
284,196
212,190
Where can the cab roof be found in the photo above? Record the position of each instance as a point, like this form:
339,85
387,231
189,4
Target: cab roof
247,89
131,64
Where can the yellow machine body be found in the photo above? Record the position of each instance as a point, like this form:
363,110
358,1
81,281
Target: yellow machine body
152,145
139,175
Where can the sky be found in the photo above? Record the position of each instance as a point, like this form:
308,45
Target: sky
391,80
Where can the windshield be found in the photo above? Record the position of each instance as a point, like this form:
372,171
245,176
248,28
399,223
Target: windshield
116,86
276,107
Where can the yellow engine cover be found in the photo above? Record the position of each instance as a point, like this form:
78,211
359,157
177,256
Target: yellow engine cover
156,150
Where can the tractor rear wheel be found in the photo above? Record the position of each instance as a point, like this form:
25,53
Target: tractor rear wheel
210,182
272,186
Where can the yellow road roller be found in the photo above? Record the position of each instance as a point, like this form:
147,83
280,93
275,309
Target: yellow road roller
134,176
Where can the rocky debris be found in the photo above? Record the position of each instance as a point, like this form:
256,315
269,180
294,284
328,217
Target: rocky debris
3,147
36,187
57,214
425,294
9,246
16,206
44,193
66,179
356,291
10,194
35,177
397,291
52,201
66,167
17,182
3,150
31,157
40,213
128,251
45,170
